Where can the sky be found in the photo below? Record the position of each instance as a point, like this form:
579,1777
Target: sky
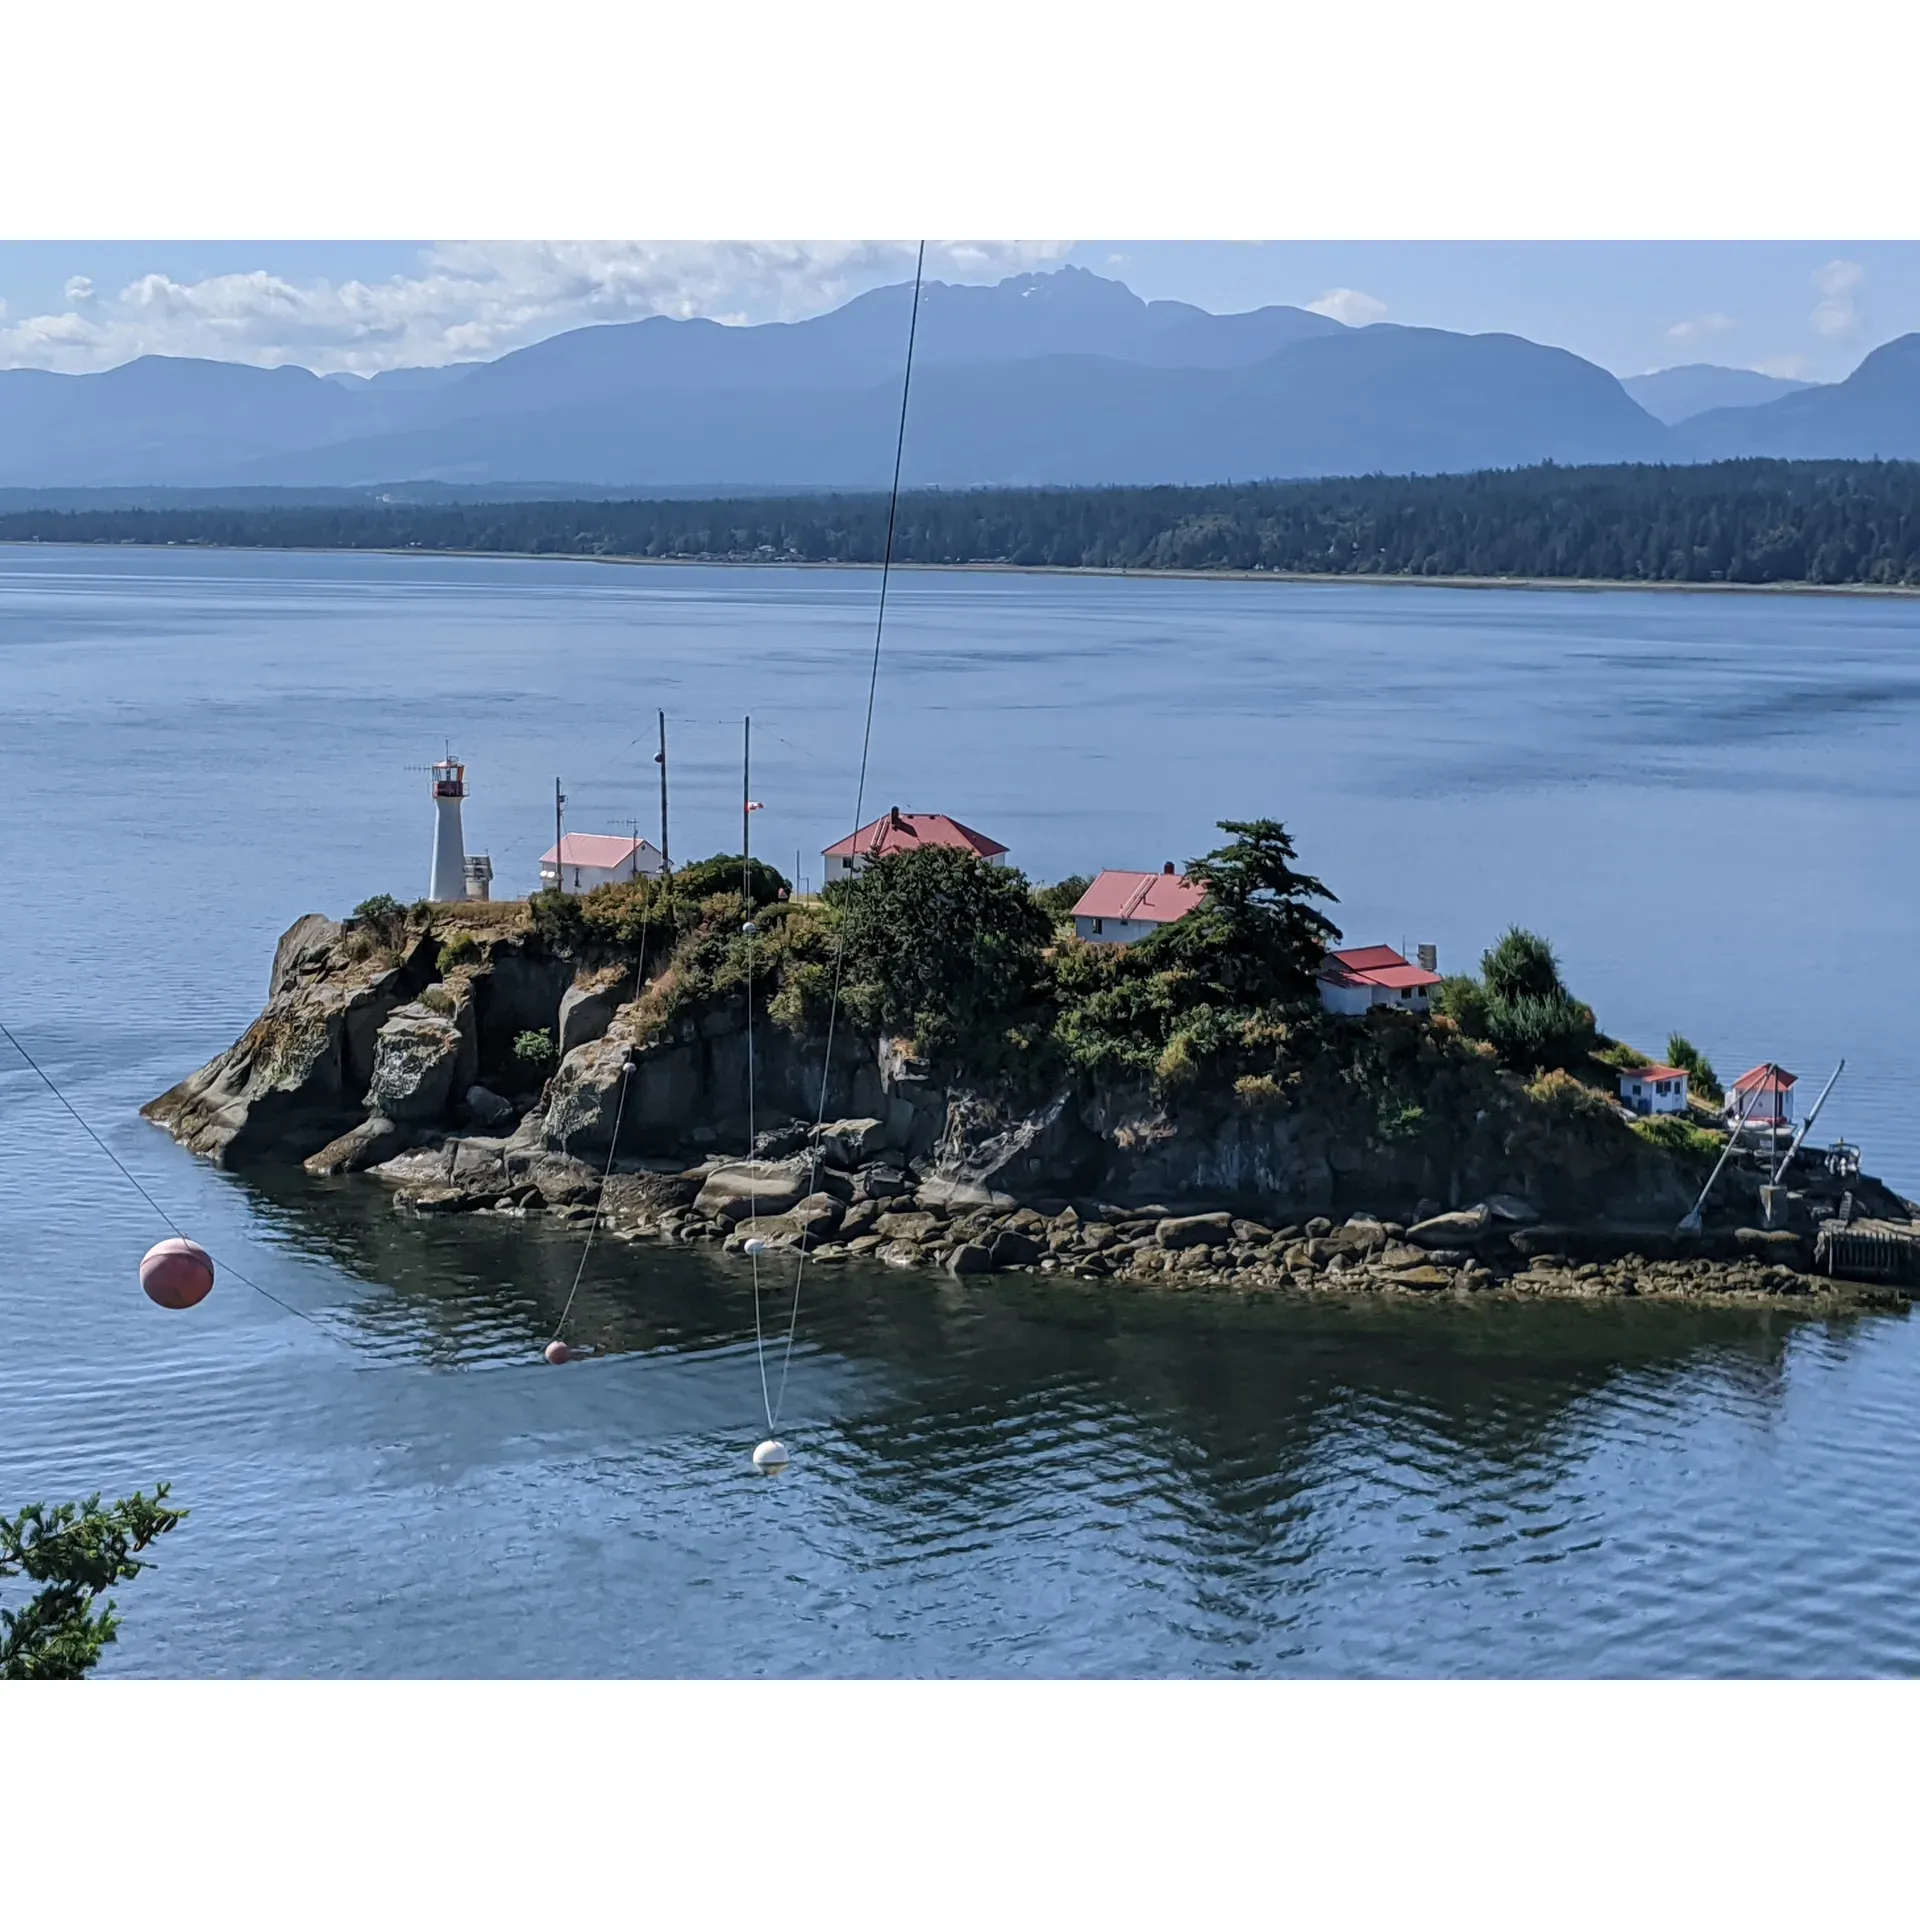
1805,309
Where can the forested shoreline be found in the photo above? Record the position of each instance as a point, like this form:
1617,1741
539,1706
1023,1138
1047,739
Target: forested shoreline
1746,522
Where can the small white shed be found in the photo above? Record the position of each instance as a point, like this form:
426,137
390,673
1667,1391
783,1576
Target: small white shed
1654,1089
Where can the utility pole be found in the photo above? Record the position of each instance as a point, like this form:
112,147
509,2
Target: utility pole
666,858
559,810
746,814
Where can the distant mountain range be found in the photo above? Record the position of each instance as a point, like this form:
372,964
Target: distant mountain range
1060,378
1678,393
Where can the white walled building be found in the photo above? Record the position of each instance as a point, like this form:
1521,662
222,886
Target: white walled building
1654,1089
1764,1094
1355,980
1121,907
584,861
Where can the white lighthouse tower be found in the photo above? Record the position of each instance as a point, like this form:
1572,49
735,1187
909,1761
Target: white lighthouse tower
449,846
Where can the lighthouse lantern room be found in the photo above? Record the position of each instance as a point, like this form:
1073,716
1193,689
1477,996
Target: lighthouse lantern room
449,847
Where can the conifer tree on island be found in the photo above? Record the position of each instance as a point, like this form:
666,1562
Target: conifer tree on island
71,1554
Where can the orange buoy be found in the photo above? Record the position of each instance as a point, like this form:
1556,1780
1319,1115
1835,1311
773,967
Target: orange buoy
177,1273
558,1353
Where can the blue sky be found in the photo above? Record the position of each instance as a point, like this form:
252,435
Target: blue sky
1809,309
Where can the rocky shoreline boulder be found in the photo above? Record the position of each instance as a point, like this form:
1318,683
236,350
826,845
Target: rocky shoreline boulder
395,1052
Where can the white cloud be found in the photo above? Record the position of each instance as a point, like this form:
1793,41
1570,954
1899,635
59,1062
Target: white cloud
469,302
1349,306
1836,284
1785,366
1701,325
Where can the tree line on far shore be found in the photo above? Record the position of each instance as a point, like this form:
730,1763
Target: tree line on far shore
1751,522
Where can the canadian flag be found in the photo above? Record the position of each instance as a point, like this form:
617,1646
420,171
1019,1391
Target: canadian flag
756,806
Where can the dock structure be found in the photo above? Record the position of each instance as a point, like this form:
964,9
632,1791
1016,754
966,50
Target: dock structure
1871,1250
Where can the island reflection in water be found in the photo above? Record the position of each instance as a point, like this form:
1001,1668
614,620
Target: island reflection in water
1053,1478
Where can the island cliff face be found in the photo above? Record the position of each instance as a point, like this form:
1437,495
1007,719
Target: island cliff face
402,1053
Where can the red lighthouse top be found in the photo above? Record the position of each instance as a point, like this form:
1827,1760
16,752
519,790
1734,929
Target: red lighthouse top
449,780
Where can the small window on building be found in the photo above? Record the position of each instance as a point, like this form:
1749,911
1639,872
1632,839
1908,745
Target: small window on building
1099,926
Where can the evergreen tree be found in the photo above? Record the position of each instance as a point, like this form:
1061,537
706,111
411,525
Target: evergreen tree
70,1555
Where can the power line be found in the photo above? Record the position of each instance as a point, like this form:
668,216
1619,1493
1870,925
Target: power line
859,807
128,1175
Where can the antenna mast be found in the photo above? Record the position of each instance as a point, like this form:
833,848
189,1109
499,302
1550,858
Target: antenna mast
666,858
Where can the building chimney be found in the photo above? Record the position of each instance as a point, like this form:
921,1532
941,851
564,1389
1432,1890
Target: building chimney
894,816
1168,868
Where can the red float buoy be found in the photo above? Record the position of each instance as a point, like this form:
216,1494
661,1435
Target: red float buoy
177,1273
558,1353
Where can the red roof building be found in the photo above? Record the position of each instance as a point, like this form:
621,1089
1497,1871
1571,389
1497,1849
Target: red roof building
1355,980
584,861
897,832
1762,1096
1654,1089
1122,907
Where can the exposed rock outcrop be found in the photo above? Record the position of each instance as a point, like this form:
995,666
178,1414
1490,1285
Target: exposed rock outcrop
588,1006
372,1056
327,1048
416,1063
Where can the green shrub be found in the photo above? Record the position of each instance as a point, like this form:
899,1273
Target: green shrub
462,950
1258,1089
380,909
1539,1031
534,1052
1177,1067
1701,1078
557,918
720,873
944,949
1058,900
1621,1057
1464,1001
1680,1136
1522,966
1560,1093
805,996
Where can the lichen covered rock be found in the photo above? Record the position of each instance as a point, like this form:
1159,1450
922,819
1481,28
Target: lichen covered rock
416,1063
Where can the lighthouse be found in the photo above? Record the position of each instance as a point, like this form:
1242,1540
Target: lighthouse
449,846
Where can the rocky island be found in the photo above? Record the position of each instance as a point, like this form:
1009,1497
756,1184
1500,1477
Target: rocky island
999,1094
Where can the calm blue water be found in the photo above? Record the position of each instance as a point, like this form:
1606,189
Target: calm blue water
1704,800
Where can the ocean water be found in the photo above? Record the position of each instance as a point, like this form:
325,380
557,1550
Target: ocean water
1705,800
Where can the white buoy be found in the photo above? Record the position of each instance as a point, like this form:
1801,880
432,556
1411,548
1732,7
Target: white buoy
770,1456
754,1247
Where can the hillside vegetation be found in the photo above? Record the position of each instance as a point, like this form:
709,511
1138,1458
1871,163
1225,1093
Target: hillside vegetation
1746,522
968,965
